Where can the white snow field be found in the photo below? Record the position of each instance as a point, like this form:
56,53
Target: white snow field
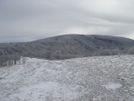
106,78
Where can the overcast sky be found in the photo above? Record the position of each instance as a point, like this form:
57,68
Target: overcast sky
26,20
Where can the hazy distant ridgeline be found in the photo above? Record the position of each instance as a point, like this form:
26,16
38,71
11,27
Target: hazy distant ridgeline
67,46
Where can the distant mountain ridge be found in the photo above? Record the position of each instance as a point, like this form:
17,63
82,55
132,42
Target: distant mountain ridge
69,46
87,40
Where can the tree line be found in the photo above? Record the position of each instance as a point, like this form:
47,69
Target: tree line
9,60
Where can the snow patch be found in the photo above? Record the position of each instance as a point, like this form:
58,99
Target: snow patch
112,86
46,90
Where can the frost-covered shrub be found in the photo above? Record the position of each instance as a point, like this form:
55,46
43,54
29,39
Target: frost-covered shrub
115,51
131,50
103,52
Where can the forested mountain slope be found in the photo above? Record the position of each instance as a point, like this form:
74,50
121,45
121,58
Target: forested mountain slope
85,45
68,46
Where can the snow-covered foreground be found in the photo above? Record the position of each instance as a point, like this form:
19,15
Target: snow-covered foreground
109,78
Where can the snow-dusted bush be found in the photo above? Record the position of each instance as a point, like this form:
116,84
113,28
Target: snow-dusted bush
104,52
131,50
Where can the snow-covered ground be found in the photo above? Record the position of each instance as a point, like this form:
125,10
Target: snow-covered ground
109,78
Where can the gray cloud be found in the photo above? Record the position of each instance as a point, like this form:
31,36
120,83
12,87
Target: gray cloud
33,19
